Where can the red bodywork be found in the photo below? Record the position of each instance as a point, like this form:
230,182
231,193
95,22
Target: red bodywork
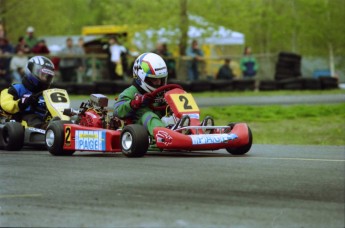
89,135
182,103
84,138
173,140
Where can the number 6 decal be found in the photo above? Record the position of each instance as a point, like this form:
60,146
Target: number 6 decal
58,97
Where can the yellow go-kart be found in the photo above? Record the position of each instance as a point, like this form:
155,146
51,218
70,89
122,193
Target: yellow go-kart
14,135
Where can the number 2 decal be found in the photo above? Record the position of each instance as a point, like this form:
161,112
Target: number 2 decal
185,102
68,135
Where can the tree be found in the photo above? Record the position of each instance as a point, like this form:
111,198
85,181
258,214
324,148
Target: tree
183,27
304,26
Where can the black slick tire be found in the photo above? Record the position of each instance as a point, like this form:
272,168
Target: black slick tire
134,140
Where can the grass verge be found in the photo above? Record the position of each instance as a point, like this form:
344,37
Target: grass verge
293,124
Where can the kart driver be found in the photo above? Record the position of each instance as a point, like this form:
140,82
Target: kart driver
149,73
24,101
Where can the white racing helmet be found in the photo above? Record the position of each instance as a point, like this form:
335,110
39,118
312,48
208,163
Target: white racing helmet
150,66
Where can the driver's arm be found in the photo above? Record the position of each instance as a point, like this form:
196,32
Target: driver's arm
122,107
9,100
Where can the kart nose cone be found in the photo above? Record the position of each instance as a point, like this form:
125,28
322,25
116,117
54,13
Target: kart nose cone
127,141
50,138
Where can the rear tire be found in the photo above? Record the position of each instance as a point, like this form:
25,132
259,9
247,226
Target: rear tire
242,149
54,138
208,121
134,140
13,136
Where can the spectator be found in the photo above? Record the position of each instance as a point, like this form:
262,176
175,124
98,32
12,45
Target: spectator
81,44
93,68
30,38
162,50
22,45
17,65
40,48
5,46
114,59
134,56
248,64
192,65
2,31
225,71
81,71
70,64
5,49
124,61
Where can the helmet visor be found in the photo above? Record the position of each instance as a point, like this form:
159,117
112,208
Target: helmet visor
155,82
43,74
46,75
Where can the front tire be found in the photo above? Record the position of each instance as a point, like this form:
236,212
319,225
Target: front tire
134,140
54,138
242,149
13,136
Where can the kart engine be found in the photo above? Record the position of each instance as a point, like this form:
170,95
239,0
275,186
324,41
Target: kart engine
92,118
94,113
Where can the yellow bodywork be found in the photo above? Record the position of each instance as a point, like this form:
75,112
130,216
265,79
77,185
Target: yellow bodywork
56,101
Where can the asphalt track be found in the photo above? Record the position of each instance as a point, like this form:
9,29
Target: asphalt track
271,186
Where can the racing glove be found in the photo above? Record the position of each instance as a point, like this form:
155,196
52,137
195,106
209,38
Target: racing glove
141,101
26,101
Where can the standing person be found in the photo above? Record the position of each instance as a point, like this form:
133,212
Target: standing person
114,59
81,43
5,49
162,50
30,38
225,71
69,63
17,65
192,65
22,45
248,64
81,72
2,31
149,73
40,48
21,100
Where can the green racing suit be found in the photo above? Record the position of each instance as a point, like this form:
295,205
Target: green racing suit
144,115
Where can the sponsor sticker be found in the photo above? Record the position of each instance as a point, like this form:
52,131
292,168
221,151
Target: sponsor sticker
90,140
194,116
37,130
212,139
164,137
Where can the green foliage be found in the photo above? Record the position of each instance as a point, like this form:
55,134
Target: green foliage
140,12
303,26
47,17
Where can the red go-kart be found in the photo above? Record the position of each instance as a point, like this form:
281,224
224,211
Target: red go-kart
96,129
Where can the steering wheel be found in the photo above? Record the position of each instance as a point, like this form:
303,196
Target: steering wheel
164,88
